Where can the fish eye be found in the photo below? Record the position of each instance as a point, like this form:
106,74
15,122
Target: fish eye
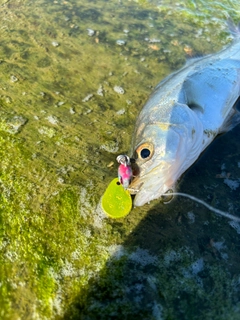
145,151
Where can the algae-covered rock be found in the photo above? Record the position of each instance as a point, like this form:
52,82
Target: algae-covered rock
60,127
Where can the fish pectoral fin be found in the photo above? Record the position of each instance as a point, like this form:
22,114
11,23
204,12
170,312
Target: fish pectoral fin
233,119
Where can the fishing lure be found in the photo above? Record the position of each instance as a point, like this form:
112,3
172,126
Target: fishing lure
125,174
116,201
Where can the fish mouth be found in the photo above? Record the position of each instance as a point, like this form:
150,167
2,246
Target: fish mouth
145,189
143,194
135,186
140,194
136,182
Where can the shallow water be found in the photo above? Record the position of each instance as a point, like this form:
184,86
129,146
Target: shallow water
63,122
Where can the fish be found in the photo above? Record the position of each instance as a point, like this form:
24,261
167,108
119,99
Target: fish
182,116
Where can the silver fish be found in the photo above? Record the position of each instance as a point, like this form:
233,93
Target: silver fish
181,118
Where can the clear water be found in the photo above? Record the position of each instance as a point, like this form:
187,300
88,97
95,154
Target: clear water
63,123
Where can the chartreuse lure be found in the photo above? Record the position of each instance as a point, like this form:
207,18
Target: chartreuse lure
116,201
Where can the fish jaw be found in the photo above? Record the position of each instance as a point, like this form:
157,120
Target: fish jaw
146,189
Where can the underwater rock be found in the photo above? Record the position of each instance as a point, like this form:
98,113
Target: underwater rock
72,111
52,119
8,99
55,43
15,124
233,184
59,104
87,112
87,98
119,89
152,40
91,32
13,78
191,217
121,111
235,225
49,132
110,146
120,42
100,91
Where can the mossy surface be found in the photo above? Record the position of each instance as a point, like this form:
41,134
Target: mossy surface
62,124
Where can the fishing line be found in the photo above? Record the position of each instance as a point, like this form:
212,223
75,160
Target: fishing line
220,212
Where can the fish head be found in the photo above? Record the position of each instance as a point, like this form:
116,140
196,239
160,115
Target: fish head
163,150
156,157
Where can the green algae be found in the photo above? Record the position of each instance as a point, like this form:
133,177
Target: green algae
60,256
158,291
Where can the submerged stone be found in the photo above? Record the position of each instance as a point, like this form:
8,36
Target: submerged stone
55,43
110,146
14,78
119,89
120,42
87,98
15,124
91,32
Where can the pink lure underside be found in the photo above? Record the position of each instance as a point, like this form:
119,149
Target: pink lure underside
124,175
